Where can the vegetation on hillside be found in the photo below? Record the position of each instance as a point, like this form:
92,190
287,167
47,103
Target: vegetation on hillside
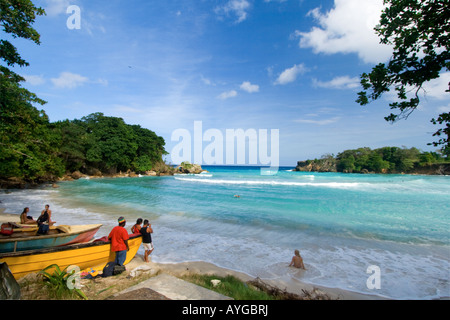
44,151
381,160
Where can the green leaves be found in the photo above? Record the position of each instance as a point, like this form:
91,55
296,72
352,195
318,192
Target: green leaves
59,281
418,31
32,148
17,16
108,144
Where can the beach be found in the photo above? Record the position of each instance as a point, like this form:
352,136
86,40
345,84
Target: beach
205,268
347,227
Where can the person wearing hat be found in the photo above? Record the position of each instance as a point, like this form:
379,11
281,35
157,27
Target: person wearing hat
119,241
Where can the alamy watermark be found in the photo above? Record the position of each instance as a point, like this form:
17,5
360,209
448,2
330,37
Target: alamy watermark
374,281
73,281
74,20
232,147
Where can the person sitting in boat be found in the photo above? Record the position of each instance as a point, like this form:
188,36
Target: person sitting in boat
25,218
45,220
137,226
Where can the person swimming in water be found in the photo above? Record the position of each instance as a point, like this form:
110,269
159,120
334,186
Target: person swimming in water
297,261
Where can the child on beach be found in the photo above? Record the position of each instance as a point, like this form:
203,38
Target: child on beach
146,232
297,261
137,226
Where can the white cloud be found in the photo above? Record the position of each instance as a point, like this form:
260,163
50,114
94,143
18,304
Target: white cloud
206,81
127,109
250,88
102,82
228,94
443,109
69,80
34,80
319,122
344,82
236,7
436,88
290,74
56,7
347,28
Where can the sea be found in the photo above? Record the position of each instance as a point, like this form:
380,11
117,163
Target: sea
376,234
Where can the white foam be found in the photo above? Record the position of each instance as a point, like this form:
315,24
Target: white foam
339,185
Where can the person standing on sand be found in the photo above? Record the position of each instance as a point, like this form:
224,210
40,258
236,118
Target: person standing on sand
119,241
137,227
146,232
297,261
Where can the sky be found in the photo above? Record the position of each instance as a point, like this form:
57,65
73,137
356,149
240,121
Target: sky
287,65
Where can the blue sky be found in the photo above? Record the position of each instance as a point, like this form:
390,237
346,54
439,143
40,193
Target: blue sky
290,65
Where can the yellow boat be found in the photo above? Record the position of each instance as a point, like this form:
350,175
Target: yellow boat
95,254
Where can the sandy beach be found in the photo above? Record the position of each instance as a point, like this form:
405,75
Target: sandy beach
200,267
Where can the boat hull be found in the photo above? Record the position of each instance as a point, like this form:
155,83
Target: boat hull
79,235
87,255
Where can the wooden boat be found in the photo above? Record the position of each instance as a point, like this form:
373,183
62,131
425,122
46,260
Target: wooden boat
95,254
24,239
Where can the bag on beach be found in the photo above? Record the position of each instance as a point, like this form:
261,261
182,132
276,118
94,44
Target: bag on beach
108,270
6,229
118,269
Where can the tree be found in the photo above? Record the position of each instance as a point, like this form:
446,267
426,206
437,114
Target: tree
111,143
419,33
27,146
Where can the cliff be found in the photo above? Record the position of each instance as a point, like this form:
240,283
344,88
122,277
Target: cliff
322,165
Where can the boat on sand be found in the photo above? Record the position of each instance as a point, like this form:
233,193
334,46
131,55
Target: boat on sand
94,254
23,239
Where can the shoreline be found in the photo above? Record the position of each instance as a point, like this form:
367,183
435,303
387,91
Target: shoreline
292,286
206,268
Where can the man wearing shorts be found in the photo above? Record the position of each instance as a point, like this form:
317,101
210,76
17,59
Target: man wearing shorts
146,232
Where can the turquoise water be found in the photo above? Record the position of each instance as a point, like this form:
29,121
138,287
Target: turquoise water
341,223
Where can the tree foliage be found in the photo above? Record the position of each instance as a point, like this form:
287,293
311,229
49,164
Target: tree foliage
108,144
25,147
32,148
385,160
381,160
418,30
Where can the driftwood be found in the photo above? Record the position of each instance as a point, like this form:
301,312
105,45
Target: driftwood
314,294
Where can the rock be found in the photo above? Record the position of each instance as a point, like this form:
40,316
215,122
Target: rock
9,288
215,282
187,167
76,175
132,174
321,165
93,172
55,186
